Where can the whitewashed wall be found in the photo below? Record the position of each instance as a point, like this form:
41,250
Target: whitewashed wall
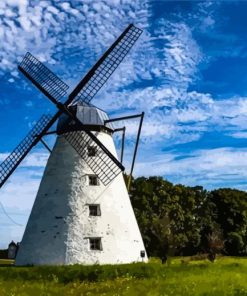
59,225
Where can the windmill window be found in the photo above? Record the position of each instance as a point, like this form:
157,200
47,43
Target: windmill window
91,151
94,210
95,243
93,180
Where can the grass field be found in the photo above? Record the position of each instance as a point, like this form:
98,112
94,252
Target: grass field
6,262
227,276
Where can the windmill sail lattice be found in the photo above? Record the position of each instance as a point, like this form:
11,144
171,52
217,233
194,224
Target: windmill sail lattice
30,67
105,165
100,164
13,160
54,89
107,64
43,78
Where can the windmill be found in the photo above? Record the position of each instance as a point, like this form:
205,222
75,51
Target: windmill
82,212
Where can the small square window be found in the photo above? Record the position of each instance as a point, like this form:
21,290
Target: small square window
93,180
94,210
91,151
95,243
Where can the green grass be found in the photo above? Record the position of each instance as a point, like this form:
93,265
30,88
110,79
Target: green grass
227,276
6,262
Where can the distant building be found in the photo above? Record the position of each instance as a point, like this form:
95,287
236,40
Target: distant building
12,250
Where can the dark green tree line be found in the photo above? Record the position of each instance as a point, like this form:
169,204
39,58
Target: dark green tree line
181,220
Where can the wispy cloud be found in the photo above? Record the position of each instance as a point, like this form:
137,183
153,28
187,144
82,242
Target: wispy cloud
209,167
12,224
35,159
167,56
17,197
240,135
21,188
52,30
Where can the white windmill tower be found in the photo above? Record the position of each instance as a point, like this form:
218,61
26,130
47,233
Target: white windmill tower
82,212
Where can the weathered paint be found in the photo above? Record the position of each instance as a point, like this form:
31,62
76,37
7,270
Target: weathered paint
59,227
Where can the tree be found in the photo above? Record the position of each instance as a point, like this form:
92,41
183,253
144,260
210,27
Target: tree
151,202
166,215
231,215
234,244
175,219
215,243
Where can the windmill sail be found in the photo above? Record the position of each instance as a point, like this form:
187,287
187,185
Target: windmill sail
53,95
43,78
8,166
101,164
106,166
106,65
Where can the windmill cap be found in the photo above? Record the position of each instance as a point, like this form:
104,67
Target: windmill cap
92,117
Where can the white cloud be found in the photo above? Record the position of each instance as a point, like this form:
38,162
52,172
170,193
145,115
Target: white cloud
17,196
47,27
35,159
12,224
204,17
175,64
20,190
210,168
240,135
169,55
182,54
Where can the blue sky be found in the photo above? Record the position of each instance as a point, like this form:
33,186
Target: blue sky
187,72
